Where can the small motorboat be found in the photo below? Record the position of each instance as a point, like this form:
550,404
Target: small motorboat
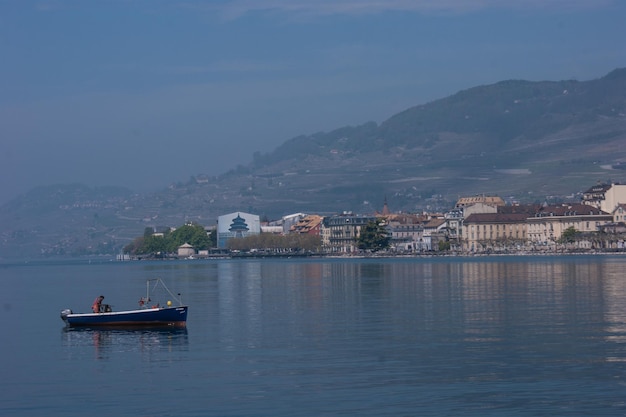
146,315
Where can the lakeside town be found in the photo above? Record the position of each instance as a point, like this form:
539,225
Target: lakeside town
481,224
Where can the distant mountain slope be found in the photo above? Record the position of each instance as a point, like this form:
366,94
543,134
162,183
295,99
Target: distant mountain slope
519,139
487,116
512,138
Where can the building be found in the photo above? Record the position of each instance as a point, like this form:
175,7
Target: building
489,200
595,195
619,214
493,231
236,225
549,223
290,220
340,232
434,232
454,226
613,197
605,197
310,224
406,236
186,250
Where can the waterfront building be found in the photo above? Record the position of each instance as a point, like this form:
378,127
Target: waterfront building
493,231
340,232
186,250
406,236
454,226
310,224
548,224
434,232
236,225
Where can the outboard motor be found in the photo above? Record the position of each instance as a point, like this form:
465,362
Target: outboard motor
64,314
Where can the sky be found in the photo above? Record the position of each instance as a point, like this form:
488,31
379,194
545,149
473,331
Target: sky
144,93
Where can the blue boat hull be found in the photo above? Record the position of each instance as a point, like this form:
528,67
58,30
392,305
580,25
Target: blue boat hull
168,316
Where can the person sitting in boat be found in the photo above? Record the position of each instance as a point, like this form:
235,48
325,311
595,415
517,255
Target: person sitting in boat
96,307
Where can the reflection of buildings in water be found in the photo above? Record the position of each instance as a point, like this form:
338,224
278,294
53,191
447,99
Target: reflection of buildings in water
255,294
615,312
484,298
479,293
240,293
143,340
555,290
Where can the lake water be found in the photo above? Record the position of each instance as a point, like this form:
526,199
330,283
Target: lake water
501,336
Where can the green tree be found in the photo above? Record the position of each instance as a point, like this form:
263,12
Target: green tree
569,235
213,238
373,236
194,234
154,244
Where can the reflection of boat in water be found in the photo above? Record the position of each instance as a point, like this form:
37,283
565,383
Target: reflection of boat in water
111,340
154,316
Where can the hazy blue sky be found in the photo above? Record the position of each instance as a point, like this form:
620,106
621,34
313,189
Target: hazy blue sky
143,93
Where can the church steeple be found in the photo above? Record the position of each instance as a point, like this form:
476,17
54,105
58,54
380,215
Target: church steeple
385,208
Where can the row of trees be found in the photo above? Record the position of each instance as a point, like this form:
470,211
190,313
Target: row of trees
267,241
169,241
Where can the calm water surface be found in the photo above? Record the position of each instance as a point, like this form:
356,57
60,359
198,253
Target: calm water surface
514,336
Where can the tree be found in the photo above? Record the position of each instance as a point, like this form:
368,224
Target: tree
154,244
213,238
373,236
135,246
569,235
149,243
194,234
271,242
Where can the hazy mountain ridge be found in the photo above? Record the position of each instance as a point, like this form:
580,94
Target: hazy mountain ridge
499,112
519,139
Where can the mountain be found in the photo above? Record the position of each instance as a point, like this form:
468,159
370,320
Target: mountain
525,141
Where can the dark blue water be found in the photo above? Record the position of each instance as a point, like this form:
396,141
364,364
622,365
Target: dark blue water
511,336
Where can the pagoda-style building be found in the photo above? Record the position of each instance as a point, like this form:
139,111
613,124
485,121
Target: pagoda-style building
238,227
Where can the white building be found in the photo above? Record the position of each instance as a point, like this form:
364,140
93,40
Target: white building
605,197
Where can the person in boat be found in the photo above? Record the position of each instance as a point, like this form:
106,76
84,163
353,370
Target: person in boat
97,304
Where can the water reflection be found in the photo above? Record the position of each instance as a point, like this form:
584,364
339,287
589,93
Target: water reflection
506,303
111,341
473,337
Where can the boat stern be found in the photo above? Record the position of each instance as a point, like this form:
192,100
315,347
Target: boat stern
64,313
